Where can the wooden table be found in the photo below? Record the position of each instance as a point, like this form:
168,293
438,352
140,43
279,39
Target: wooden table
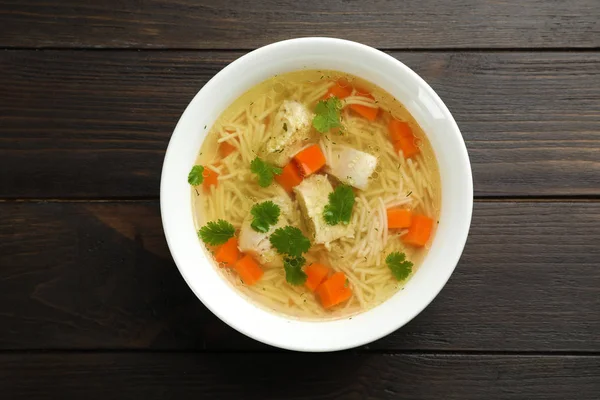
91,303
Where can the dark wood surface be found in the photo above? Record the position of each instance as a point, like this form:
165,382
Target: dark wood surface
344,376
213,24
99,275
530,119
91,303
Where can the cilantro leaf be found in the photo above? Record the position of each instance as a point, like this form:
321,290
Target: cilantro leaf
265,214
399,265
216,232
264,171
339,208
293,270
327,114
289,240
196,177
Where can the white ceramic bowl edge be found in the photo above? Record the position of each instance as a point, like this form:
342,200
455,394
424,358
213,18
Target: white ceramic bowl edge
429,111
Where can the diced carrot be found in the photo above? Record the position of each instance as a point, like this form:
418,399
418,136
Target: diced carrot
334,290
369,113
340,90
226,148
403,138
338,280
310,160
361,91
228,253
419,231
398,218
210,178
408,146
315,274
248,270
289,177
398,129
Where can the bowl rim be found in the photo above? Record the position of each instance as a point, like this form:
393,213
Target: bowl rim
177,249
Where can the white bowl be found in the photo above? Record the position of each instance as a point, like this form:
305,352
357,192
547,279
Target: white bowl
429,111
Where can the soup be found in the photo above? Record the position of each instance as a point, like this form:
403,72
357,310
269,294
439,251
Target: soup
316,194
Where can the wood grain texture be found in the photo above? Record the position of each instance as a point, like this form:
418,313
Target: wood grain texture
323,376
99,276
209,24
96,123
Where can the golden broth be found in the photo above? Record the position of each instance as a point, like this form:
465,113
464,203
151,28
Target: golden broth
397,182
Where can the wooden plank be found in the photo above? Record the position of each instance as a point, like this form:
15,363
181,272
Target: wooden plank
79,275
381,23
323,376
96,124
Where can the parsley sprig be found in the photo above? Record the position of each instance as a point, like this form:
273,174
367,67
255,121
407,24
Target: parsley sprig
289,240
291,243
399,265
196,175
216,232
293,270
339,208
264,171
327,114
266,214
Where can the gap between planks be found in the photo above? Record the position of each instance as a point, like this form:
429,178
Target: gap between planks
273,350
390,49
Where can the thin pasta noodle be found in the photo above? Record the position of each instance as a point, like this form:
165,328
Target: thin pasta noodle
361,257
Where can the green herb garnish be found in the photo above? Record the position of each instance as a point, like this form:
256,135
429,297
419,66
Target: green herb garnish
339,208
289,240
327,114
399,265
216,232
196,177
264,171
265,215
293,270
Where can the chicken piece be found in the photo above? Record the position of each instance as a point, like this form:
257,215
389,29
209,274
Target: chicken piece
291,131
313,196
257,244
351,166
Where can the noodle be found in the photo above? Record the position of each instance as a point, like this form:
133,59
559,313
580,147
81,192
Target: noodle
397,182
